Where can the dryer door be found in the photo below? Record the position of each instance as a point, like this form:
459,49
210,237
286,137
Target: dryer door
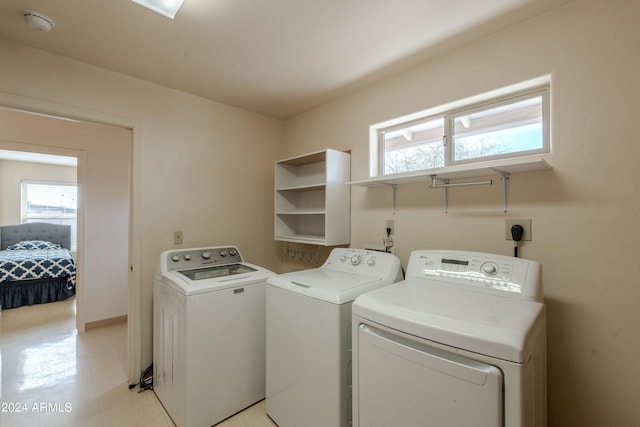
408,383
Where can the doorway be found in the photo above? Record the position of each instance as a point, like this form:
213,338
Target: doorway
37,187
104,161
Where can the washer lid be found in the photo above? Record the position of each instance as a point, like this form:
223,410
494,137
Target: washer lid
336,287
216,271
481,323
246,275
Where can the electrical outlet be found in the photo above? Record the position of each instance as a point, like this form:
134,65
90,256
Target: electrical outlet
525,223
389,224
177,237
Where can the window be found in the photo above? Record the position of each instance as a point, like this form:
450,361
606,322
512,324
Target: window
52,202
414,147
509,126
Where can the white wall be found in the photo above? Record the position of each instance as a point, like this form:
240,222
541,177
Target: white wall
584,211
198,166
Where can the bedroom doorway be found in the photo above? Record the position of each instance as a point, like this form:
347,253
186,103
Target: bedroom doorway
104,159
40,188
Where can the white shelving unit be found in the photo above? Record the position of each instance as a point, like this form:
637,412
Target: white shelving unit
312,198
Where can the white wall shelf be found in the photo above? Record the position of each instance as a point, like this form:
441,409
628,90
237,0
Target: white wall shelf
312,200
469,170
440,177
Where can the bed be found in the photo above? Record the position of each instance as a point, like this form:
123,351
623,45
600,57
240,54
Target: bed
36,265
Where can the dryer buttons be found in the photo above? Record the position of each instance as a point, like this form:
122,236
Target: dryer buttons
490,268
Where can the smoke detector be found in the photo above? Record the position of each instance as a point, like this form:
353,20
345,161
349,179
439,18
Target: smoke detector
38,20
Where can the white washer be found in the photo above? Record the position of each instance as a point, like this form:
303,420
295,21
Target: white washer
309,336
460,342
209,334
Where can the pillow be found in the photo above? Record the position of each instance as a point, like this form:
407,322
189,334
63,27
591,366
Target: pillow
33,244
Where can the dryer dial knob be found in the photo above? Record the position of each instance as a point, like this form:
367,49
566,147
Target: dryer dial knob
206,255
187,257
489,268
233,252
355,260
223,253
175,258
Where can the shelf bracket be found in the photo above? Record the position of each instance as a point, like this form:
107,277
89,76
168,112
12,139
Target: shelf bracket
505,178
394,188
446,196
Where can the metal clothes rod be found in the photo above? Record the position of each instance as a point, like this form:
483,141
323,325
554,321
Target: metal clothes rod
435,184
446,184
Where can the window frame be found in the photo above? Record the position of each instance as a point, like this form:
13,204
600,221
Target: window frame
450,112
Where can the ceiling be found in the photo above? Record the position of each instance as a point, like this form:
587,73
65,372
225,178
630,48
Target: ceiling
275,57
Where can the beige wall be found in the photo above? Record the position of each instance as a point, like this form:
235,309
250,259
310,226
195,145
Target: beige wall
585,211
12,173
198,166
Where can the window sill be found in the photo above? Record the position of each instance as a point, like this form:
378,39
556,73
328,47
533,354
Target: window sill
470,170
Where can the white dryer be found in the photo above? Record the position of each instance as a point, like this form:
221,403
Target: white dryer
460,342
309,336
208,334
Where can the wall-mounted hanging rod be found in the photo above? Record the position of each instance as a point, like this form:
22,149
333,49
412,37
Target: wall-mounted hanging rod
446,185
436,184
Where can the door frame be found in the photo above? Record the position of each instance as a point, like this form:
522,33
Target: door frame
37,106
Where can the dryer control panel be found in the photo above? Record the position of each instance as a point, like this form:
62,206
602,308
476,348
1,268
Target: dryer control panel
366,263
509,276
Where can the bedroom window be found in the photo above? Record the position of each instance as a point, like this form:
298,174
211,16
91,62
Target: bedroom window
513,124
52,202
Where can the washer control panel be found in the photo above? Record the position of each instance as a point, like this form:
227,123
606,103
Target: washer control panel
363,262
200,257
496,273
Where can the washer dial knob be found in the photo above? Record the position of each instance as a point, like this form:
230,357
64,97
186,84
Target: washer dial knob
371,262
355,260
233,252
490,268
343,258
175,258
206,255
187,257
223,253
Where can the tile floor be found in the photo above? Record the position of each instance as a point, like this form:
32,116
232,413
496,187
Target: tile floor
53,376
